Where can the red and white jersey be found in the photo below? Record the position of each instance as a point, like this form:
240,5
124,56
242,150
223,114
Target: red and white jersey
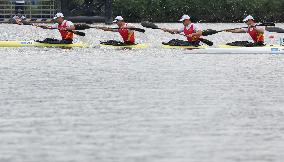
255,35
126,34
190,29
64,34
195,28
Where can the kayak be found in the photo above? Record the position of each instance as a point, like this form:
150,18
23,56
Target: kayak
227,49
136,46
185,47
261,49
38,44
256,47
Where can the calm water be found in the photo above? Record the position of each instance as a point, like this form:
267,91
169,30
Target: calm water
151,105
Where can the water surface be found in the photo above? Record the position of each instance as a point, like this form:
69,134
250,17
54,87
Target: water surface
150,105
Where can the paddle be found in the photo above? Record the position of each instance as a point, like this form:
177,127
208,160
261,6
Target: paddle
72,31
85,26
154,26
147,24
211,31
275,29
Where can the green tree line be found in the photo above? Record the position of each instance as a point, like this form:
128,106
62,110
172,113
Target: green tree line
199,10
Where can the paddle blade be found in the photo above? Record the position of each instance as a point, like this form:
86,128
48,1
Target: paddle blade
209,32
79,33
275,29
82,26
206,41
147,24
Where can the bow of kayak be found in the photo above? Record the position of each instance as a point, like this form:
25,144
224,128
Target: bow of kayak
227,49
38,44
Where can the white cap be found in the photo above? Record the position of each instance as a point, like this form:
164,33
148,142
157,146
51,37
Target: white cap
118,18
249,17
185,17
58,15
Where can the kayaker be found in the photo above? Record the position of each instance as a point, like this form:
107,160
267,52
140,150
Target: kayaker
127,35
19,18
192,32
256,33
63,26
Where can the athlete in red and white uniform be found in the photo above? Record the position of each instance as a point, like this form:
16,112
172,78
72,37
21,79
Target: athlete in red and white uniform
127,35
256,32
192,31
64,27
